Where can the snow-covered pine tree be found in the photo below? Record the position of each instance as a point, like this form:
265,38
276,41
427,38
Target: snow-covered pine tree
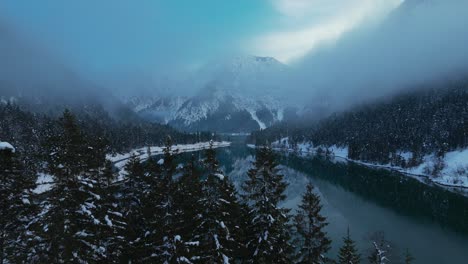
150,196
218,229
234,221
17,209
104,205
348,253
269,227
69,220
188,199
109,233
165,225
379,254
311,239
131,198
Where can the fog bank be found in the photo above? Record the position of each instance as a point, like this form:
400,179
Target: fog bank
419,42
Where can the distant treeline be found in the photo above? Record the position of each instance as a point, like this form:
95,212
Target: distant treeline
428,120
27,130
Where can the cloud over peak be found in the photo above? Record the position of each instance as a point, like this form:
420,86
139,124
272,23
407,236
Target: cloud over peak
309,24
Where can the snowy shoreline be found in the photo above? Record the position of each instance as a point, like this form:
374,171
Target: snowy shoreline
447,178
119,160
45,182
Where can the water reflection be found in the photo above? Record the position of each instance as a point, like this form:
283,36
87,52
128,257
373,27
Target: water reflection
404,195
431,221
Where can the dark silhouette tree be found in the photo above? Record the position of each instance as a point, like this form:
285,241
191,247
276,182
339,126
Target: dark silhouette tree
17,209
218,231
408,257
269,228
348,253
69,222
312,241
132,197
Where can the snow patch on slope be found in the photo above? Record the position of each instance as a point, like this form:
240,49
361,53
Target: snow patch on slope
164,108
254,116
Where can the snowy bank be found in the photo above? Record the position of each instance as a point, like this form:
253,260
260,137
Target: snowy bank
120,160
454,171
45,182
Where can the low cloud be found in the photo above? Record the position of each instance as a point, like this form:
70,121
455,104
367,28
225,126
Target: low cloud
419,42
310,24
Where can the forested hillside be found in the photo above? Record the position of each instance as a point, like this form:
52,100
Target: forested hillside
159,213
423,121
29,132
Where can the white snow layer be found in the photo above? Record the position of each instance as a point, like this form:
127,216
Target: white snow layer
6,145
44,183
219,175
254,116
454,172
120,160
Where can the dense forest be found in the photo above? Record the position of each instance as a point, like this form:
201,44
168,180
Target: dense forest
27,130
160,212
422,121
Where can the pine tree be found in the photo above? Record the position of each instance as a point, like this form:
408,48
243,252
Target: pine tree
188,199
165,221
312,240
234,216
379,254
69,219
132,197
218,230
408,257
109,232
380,249
348,252
66,148
167,210
17,209
270,231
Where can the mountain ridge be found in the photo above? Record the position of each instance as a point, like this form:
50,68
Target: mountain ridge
225,98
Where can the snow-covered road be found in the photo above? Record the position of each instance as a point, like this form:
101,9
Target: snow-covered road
120,160
45,181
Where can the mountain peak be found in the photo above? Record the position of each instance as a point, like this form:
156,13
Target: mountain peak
249,65
251,59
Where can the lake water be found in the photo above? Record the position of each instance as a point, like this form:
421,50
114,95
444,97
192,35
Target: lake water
430,221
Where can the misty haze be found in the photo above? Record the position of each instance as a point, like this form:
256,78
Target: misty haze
270,131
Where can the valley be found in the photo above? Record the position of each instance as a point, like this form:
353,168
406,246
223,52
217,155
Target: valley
234,132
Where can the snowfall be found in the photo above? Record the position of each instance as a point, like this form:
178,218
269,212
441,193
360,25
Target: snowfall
453,174
45,182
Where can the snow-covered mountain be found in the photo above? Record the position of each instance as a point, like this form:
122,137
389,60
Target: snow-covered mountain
234,95
242,74
224,111
161,109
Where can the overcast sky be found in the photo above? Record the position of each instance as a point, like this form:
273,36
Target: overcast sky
336,49
109,35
